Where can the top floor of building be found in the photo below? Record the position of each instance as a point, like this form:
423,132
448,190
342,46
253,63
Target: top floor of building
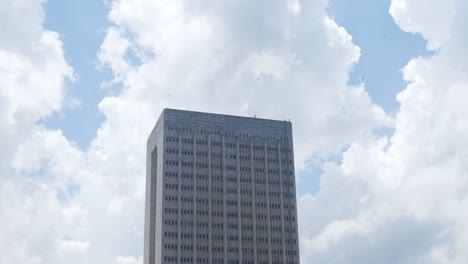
184,123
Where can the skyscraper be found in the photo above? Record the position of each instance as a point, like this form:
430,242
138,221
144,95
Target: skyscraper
220,189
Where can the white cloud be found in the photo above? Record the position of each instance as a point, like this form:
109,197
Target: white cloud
73,245
35,190
114,53
32,72
392,200
282,59
278,59
403,199
419,17
128,260
243,61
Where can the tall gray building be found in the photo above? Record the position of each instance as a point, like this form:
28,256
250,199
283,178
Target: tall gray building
220,189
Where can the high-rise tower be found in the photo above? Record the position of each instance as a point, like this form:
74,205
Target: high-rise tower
220,189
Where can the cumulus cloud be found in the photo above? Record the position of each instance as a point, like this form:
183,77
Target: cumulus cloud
392,199
405,194
32,76
244,58
275,59
239,57
418,17
36,164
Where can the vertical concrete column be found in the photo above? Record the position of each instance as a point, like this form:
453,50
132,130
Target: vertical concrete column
294,198
265,155
282,202
210,205
195,196
289,201
254,196
179,201
150,207
239,211
224,197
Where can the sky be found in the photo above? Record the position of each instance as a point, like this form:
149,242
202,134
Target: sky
375,91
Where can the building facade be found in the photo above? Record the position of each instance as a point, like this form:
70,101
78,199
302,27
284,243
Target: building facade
220,189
